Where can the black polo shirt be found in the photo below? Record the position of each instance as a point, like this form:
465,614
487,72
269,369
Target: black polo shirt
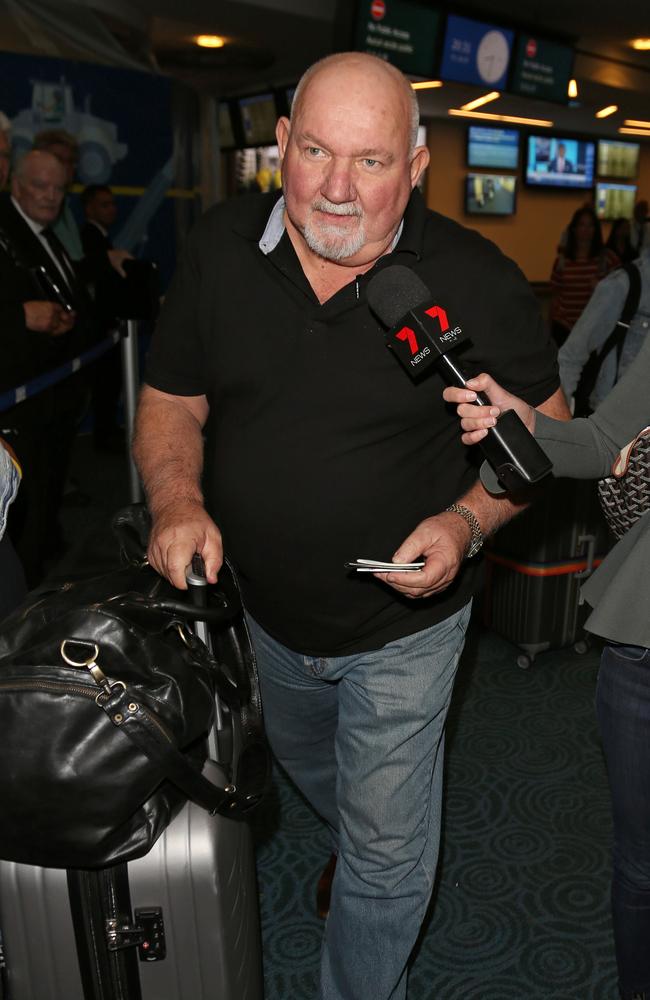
319,447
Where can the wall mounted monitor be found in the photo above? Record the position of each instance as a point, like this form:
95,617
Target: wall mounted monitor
492,147
255,169
490,194
474,52
615,201
617,159
541,68
258,117
557,162
403,32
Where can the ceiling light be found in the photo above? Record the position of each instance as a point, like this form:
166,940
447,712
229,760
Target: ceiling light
426,85
513,119
573,89
635,131
606,112
492,96
642,44
633,123
210,41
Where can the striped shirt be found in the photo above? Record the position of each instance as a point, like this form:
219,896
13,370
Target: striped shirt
572,284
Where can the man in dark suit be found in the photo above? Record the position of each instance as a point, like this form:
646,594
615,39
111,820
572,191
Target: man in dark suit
37,334
105,274
559,164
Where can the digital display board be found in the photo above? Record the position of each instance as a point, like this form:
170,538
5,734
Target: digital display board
474,52
558,162
615,201
541,68
403,33
617,159
490,194
492,147
258,119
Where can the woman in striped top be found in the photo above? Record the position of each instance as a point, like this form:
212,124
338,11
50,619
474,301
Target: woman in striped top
579,267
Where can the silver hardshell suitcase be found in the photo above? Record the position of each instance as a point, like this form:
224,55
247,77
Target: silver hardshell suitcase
180,923
200,876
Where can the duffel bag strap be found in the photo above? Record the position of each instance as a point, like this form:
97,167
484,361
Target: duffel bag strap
149,735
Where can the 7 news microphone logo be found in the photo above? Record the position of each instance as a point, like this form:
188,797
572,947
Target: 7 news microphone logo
441,341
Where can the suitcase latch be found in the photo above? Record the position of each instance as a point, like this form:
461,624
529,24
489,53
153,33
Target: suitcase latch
146,932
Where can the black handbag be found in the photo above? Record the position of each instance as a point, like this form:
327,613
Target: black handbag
106,701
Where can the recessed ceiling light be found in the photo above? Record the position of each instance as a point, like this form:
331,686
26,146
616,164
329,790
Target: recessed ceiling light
426,85
210,41
573,89
606,112
633,123
514,119
641,44
485,99
635,131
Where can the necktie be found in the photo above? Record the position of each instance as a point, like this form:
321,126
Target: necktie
62,259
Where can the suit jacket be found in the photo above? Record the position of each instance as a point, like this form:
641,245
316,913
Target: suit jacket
619,590
568,167
27,353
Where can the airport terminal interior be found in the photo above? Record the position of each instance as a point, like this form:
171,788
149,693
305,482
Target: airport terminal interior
531,113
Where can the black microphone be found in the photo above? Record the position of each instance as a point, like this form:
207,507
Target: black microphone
420,335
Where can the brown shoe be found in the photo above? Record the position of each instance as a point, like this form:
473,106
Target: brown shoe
324,888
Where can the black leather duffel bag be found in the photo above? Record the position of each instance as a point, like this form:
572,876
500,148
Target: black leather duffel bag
106,701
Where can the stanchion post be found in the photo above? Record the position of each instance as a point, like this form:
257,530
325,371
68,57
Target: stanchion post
131,380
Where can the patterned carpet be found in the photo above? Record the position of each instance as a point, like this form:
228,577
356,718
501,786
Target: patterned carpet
521,906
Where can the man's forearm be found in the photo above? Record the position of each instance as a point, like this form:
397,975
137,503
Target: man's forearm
168,451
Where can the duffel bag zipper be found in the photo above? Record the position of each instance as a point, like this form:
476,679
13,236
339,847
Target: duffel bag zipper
85,692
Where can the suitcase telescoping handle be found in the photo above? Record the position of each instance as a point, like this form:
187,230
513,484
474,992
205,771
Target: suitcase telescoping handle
197,586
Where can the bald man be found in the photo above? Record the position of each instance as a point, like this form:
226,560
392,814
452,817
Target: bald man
319,450
38,334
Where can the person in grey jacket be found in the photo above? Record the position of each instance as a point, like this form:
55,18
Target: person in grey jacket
595,325
619,593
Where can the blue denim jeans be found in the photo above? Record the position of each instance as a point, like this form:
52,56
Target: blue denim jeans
623,706
362,736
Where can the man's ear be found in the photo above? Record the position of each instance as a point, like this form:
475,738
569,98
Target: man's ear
282,130
419,163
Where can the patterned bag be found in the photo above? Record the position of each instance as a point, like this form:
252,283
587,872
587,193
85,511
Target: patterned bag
625,495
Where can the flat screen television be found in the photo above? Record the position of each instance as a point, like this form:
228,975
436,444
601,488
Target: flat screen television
490,194
618,159
553,161
255,169
615,201
492,147
258,117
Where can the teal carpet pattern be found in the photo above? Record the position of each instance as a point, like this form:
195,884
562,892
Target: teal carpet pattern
521,907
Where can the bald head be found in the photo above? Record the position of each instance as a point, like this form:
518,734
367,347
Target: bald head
348,159
38,185
346,66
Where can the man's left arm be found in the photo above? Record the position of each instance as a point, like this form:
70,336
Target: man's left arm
445,539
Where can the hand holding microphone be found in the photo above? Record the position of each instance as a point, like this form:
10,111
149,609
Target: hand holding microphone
420,335
476,420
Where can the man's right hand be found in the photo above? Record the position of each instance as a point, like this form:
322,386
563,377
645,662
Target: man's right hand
178,532
48,317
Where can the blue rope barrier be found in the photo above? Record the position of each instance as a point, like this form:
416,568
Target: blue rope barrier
47,379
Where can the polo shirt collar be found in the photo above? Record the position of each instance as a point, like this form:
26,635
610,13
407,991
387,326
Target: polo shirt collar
274,230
